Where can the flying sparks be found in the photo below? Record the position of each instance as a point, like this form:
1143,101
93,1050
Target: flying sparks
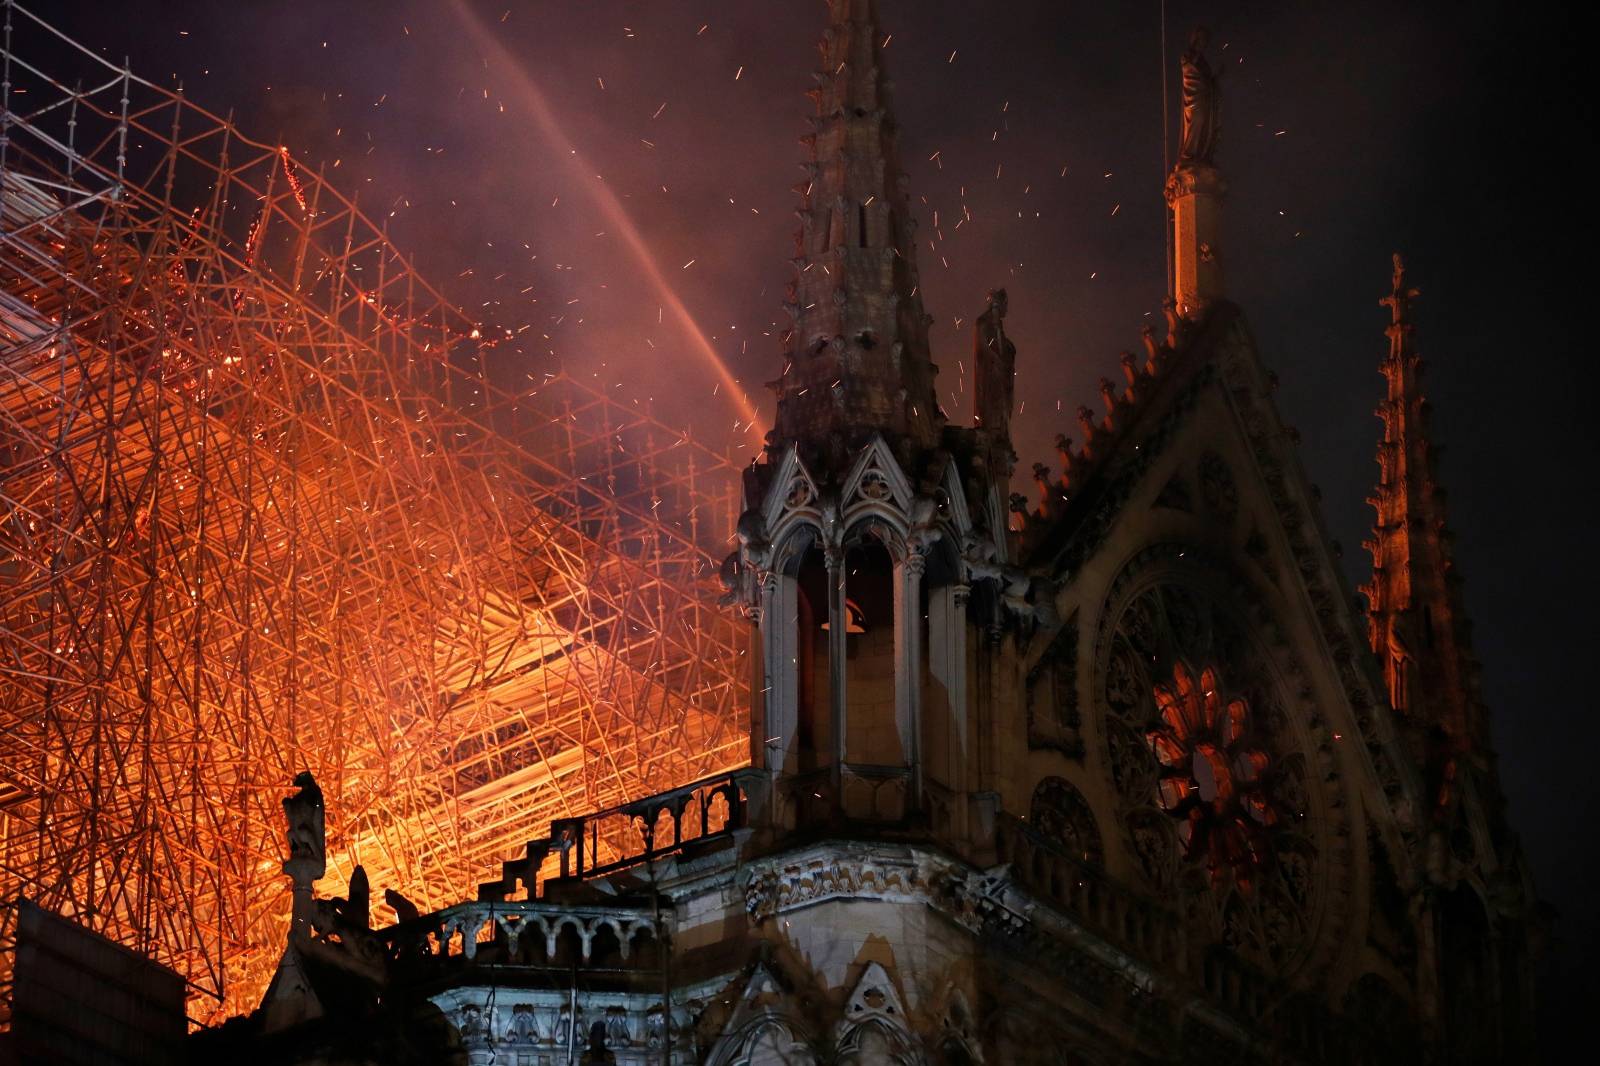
610,207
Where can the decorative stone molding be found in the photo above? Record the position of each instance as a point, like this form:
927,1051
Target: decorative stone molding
874,1026
633,1026
772,890
764,1025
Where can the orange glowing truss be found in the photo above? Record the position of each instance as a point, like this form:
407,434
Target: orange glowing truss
268,503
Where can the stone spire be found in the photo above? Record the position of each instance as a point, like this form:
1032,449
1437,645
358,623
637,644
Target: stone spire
1418,627
857,358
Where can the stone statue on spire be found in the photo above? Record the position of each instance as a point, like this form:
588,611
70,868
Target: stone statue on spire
1201,119
996,357
1195,188
994,379
307,835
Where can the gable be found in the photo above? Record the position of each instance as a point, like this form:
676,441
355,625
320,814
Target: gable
1195,560
1210,462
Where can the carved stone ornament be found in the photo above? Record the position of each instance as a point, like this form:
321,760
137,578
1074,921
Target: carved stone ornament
523,1028
874,1027
799,493
960,892
875,486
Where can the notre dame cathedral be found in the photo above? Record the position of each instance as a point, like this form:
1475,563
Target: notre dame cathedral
1116,771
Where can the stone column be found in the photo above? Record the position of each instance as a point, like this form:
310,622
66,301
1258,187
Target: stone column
838,632
302,873
1194,193
908,666
947,657
779,698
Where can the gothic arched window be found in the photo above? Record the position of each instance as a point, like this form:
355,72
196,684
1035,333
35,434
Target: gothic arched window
1061,814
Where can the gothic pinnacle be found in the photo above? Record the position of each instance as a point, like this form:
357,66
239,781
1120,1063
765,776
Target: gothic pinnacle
860,339
1416,617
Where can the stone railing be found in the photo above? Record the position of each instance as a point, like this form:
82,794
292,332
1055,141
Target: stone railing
530,933
657,826
1089,896
651,828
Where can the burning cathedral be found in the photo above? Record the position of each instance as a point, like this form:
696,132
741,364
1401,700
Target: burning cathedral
1118,770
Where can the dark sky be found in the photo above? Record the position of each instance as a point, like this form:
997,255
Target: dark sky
1033,129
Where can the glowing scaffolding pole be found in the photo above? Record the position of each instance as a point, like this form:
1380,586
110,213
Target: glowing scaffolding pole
265,506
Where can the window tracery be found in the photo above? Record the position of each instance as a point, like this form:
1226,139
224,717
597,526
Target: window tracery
1212,779
1209,774
1060,813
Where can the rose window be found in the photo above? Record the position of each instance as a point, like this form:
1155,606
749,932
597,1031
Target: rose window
1220,813
1212,778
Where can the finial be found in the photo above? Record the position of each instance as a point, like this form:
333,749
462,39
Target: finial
1108,396
1169,310
1090,430
1064,450
1399,299
1152,347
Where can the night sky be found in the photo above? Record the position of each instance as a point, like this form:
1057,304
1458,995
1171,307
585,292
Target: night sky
502,143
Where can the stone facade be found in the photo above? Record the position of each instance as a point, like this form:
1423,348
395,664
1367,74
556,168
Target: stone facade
1112,776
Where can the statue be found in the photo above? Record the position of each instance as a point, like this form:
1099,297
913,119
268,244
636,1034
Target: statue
328,932
1198,145
307,829
524,1028
994,367
598,1052
992,330
356,911
404,909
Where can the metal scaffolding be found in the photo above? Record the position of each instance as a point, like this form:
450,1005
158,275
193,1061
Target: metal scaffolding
268,502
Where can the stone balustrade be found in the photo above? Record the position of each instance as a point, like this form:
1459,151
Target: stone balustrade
657,826
531,932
